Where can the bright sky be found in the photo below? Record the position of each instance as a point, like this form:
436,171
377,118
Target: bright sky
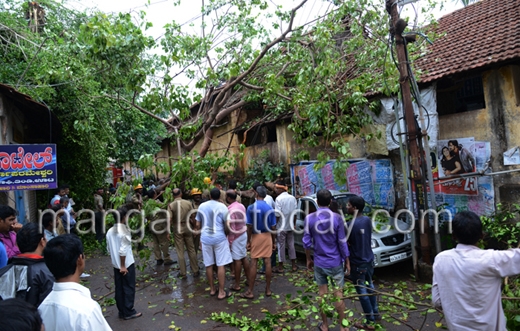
161,12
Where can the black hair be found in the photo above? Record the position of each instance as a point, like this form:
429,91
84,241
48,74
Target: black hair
122,212
47,219
262,191
256,184
357,202
151,193
280,182
231,194
7,211
454,142
61,255
232,185
29,237
214,193
177,191
323,196
467,227
19,315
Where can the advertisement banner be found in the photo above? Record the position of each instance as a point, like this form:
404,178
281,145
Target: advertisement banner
473,193
456,157
28,167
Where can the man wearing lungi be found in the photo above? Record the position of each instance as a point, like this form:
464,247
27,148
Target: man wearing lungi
261,234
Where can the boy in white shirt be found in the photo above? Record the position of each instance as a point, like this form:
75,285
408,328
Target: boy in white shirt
119,245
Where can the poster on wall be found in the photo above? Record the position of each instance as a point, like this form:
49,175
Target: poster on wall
28,167
307,181
371,179
473,193
456,157
374,181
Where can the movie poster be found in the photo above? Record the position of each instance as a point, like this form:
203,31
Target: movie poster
456,157
474,193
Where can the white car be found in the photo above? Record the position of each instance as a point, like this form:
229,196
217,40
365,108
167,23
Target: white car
389,246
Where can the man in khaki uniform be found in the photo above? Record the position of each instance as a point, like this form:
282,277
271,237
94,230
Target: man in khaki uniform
179,211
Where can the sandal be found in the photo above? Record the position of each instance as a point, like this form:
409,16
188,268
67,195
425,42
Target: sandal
295,268
235,289
244,296
277,271
228,294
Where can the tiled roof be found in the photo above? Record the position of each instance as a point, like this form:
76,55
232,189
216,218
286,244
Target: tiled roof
478,35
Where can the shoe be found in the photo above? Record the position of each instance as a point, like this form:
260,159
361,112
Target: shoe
196,275
169,262
159,262
84,275
181,276
136,315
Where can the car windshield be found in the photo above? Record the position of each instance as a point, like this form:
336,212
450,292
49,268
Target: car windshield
340,204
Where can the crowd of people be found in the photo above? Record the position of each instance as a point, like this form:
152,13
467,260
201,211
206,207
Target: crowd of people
466,279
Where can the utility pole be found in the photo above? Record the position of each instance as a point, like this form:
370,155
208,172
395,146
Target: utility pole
413,133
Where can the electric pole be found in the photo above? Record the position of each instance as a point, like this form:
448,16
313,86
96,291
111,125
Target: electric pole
413,133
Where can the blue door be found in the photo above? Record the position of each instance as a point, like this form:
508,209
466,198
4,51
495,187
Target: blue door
20,206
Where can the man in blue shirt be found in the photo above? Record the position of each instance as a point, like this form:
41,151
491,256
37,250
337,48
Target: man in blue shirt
3,255
325,232
261,232
211,219
361,260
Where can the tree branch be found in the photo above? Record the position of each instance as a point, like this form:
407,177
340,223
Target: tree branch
141,109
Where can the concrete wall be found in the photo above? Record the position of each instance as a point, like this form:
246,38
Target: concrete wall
497,123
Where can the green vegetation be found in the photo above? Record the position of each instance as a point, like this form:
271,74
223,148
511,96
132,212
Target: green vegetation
503,232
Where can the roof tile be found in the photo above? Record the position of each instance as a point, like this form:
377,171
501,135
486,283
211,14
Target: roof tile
480,34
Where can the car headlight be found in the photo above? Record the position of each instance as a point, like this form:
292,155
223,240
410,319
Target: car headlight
374,244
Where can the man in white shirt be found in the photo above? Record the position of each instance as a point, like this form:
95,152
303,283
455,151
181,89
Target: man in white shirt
285,205
119,245
69,305
211,219
467,280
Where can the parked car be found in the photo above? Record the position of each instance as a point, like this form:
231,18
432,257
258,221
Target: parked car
389,247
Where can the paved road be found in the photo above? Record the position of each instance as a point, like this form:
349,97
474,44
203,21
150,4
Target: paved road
167,302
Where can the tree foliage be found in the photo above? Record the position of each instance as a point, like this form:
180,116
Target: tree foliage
113,87
78,63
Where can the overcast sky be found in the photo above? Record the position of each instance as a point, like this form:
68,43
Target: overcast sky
162,12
